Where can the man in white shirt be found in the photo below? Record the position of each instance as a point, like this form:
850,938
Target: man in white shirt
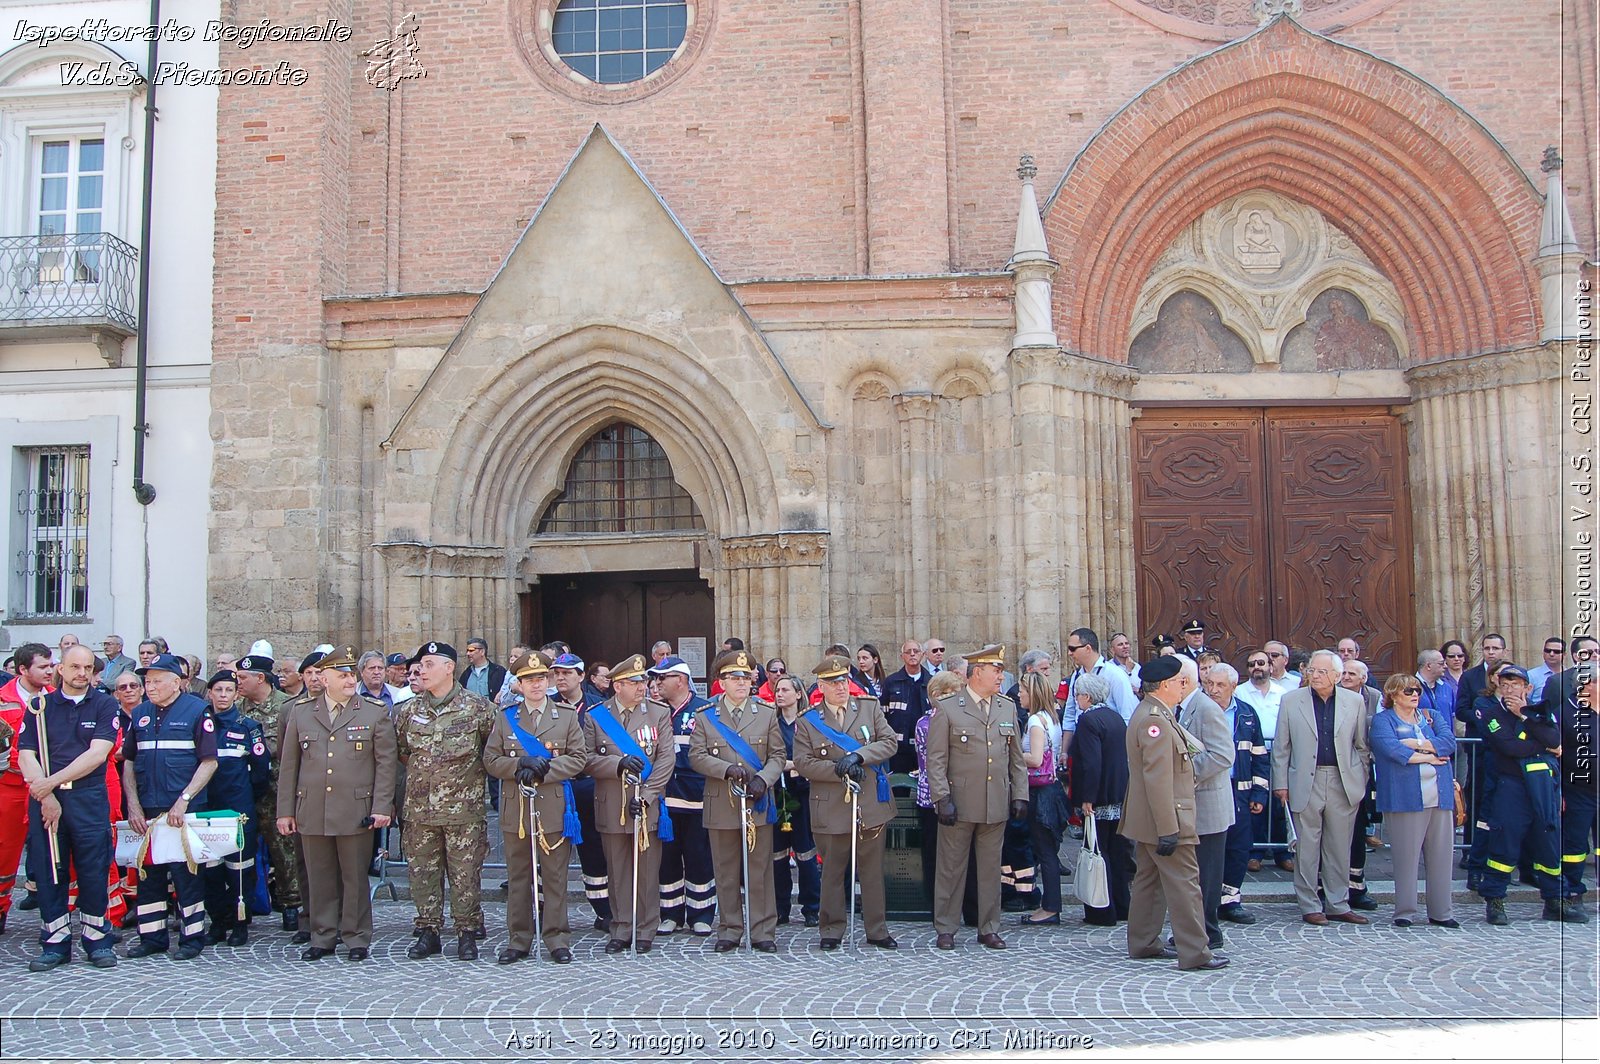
1278,666
1555,654
1122,656
1261,693
1083,648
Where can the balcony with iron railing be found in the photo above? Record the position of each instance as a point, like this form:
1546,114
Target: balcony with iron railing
66,286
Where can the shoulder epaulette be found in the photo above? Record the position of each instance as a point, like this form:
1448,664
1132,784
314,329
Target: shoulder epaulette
369,700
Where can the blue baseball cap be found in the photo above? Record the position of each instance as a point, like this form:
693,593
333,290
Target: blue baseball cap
163,663
568,661
671,663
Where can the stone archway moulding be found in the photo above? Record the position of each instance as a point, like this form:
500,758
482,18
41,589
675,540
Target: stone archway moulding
1434,202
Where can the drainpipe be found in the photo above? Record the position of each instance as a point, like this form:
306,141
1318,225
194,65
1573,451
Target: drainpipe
142,491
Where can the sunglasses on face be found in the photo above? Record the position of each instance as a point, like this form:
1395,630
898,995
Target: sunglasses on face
1258,663
126,687
1071,649
1455,654
778,670
1274,654
1411,690
935,650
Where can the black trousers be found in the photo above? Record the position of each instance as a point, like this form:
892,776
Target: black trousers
591,853
1213,856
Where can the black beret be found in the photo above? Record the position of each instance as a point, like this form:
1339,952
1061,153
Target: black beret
1156,670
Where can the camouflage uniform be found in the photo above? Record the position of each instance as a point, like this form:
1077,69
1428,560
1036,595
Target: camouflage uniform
441,742
281,853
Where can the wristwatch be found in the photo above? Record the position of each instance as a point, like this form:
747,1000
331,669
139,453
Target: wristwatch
186,796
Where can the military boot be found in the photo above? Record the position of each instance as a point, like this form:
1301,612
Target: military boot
291,918
426,945
1495,912
1564,910
467,946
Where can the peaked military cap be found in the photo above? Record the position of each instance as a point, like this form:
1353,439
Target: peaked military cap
254,663
1194,625
733,662
530,664
831,667
1162,640
341,658
993,654
629,668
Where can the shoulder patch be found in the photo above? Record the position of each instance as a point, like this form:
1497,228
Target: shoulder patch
143,722
1494,725
1154,731
259,748
208,724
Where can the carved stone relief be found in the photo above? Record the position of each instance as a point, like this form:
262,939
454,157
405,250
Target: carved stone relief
1254,266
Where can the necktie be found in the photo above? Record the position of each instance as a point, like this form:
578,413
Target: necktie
985,704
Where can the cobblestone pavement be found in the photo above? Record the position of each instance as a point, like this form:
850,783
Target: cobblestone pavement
1379,985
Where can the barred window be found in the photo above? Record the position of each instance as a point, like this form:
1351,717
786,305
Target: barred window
54,507
621,481
614,42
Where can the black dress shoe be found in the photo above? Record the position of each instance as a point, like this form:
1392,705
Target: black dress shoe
561,955
1401,921
1453,925
44,962
143,948
602,924
510,956
291,919
316,953
811,919
765,946
726,945
1363,902
644,947
616,945
426,945
829,944
187,951
1236,914
1212,965
240,935
356,953
301,937
887,942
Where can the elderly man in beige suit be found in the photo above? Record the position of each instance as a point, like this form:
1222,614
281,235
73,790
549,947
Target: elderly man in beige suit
976,781
1320,760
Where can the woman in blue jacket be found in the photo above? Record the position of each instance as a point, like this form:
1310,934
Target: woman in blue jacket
1416,795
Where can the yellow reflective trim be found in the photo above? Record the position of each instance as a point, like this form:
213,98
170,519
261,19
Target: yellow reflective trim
1574,858
1536,766
1546,869
1498,867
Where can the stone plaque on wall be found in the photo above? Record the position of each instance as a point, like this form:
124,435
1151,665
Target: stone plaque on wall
1189,337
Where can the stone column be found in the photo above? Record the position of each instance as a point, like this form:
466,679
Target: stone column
1487,489
915,411
1097,493
908,202
770,588
1043,568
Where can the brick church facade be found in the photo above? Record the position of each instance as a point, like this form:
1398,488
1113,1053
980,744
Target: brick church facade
1278,326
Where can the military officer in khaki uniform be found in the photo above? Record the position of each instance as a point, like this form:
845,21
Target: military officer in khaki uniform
266,705
716,756
636,734
828,764
442,734
551,755
336,785
1158,815
976,781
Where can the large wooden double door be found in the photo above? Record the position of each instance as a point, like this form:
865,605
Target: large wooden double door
1287,523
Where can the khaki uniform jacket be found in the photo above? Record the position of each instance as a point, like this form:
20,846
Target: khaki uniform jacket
610,793
814,755
711,756
977,762
334,776
556,725
1160,798
442,748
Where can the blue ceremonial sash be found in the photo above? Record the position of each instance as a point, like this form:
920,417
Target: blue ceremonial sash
746,754
850,745
530,742
628,745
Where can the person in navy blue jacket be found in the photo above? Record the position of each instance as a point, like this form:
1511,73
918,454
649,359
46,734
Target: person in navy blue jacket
244,772
1412,753
1251,775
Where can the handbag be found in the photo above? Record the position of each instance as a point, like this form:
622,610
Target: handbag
1090,881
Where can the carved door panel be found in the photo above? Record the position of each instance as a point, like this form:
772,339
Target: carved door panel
1341,531
1288,523
1201,525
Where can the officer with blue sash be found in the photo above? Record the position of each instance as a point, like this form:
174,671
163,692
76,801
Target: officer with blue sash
537,742
738,740
168,758
243,778
630,736
847,740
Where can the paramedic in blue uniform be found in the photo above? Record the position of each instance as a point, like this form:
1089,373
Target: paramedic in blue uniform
168,758
65,772
244,772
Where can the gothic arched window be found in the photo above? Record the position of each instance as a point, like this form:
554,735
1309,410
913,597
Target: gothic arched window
621,481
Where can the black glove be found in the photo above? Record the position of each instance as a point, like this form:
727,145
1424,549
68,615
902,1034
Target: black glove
1166,845
947,811
737,773
842,767
858,773
636,807
756,787
630,763
539,766
526,776
1019,809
